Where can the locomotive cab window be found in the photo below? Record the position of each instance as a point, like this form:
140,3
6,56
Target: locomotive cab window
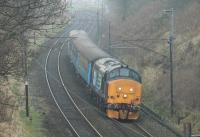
135,76
114,73
124,72
99,81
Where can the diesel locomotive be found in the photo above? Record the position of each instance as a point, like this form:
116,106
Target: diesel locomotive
116,87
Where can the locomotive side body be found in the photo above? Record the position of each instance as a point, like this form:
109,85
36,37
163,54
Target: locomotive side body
116,87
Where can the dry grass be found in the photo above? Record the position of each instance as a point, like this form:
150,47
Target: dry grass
13,123
10,125
148,23
13,128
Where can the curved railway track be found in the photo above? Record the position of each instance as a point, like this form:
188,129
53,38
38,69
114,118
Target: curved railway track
73,115
72,100
145,132
134,129
126,131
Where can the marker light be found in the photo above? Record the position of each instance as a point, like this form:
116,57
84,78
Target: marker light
119,88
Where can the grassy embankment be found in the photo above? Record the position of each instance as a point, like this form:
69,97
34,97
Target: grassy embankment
145,21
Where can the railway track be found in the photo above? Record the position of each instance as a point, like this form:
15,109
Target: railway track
164,127
126,131
72,100
73,115
118,126
141,130
132,129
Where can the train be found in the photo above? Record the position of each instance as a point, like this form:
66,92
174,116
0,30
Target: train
116,87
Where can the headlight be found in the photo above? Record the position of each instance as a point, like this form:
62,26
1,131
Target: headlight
131,90
125,96
119,88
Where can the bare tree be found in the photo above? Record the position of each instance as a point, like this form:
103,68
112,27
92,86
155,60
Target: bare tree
17,19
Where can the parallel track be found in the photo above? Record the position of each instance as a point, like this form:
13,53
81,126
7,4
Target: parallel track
72,100
80,118
125,130
130,131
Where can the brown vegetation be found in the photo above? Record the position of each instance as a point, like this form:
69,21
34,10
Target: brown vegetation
20,21
17,20
10,98
144,20
7,104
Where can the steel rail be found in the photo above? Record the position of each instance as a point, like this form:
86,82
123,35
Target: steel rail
46,76
144,130
134,130
72,100
50,89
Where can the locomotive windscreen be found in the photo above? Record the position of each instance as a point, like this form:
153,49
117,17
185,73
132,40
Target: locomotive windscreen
124,72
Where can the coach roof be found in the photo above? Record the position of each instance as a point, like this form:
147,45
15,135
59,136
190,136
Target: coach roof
85,46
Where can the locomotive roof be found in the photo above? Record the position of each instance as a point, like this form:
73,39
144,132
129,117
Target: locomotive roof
85,46
108,64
